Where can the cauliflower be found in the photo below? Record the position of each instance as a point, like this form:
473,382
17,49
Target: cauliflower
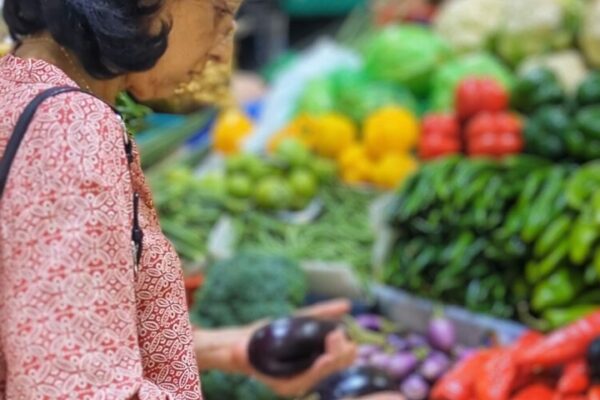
468,25
534,27
569,66
589,36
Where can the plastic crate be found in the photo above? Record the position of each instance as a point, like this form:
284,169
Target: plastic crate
321,8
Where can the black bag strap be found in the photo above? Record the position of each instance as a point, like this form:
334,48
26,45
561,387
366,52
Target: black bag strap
18,135
21,129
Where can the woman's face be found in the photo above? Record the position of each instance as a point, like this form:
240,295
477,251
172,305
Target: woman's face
201,30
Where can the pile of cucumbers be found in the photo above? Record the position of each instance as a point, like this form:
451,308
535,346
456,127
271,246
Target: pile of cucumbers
501,237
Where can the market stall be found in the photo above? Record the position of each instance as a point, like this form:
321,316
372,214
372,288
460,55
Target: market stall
439,164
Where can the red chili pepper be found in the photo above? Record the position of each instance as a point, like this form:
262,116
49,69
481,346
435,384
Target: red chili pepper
475,95
458,383
564,345
575,378
495,380
525,374
594,393
535,391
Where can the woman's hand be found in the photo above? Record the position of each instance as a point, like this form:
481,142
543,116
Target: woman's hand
339,354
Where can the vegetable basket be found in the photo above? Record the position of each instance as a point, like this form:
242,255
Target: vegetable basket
311,8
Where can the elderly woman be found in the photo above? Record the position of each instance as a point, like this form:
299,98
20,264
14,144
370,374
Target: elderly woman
91,295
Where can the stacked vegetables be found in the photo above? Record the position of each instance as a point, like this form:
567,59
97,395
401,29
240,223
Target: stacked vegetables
562,365
560,225
390,359
489,129
446,217
559,127
381,157
473,223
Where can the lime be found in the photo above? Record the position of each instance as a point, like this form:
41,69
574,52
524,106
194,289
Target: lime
294,153
273,193
324,170
242,163
239,185
303,183
213,184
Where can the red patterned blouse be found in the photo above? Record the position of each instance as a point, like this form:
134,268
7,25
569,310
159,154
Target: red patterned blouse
76,322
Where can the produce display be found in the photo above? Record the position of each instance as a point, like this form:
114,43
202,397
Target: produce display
475,223
559,127
477,126
561,365
230,297
413,362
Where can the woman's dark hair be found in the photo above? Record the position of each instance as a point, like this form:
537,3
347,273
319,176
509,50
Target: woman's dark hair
110,37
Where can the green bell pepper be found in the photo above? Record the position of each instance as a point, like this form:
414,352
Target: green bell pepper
545,132
536,88
583,139
588,92
559,290
559,317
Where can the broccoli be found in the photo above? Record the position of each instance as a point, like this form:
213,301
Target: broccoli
220,386
239,291
247,288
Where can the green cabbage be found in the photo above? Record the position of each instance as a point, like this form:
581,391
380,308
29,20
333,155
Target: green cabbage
406,55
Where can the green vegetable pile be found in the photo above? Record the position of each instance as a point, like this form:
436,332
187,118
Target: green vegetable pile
563,271
342,233
467,227
560,128
249,287
355,94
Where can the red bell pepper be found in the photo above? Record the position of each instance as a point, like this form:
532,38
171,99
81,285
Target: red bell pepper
475,95
459,383
575,378
496,378
535,391
594,393
564,345
496,134
440,136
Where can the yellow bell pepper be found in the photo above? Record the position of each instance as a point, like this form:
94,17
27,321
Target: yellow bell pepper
231,128
391,129
355,165
331,134
392,169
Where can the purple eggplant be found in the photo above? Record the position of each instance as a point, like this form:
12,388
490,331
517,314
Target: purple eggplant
380,360
402,364
442,334
415,388
354,382
289,346
366,351
397,342
434,366
415,340
371,322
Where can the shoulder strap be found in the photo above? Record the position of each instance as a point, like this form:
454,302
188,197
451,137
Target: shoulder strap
21,128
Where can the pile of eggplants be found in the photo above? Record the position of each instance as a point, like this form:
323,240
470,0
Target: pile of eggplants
411,362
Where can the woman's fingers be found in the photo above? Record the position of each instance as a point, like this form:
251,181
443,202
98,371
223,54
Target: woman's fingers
332,309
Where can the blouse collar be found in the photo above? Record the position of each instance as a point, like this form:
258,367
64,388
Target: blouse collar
28,70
